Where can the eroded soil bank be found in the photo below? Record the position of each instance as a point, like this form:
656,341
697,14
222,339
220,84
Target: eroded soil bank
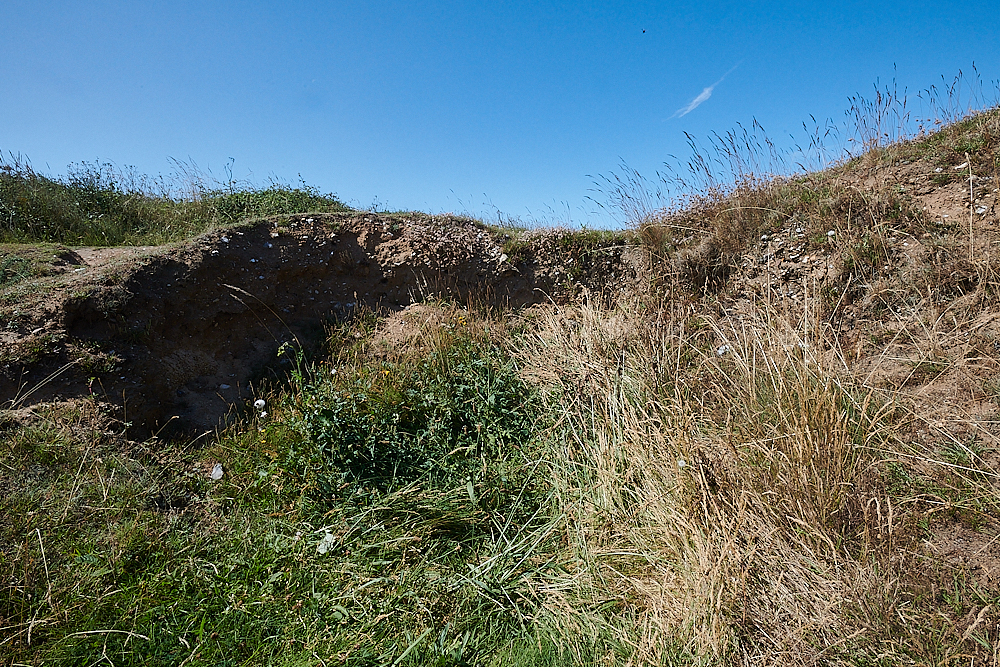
180,336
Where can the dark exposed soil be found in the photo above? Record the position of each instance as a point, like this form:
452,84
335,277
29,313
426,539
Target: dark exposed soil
179,336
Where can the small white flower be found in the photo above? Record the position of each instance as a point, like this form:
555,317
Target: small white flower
263,414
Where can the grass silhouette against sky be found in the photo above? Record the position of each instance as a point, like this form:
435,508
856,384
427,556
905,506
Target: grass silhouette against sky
451,106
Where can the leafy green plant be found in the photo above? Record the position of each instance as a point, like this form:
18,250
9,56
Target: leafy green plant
449,419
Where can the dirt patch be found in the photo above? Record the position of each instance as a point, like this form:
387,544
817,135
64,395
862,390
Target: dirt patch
181,335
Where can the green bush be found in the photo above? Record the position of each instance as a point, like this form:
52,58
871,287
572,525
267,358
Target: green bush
454,418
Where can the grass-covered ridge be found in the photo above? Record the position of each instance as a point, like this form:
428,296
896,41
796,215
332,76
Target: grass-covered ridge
100,205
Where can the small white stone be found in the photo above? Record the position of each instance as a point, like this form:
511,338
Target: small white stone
831,233
259,404
962,166
722,350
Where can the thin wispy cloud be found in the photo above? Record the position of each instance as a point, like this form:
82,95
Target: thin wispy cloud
703,96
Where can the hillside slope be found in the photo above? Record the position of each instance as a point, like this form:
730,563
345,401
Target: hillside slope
759,430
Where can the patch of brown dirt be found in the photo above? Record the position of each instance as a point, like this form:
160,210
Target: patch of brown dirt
179,335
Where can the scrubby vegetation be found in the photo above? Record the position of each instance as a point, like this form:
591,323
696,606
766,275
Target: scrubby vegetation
101,205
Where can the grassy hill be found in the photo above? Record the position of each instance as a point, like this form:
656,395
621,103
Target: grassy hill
775,443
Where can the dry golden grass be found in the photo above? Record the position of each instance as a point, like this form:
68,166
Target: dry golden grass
725,492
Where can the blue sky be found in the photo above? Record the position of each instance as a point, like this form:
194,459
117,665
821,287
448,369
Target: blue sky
452,106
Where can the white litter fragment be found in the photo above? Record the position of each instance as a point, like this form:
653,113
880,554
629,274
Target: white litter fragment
938,170
723,350
259,403
225,239
962,166
326,543
980,210
217,471
831,233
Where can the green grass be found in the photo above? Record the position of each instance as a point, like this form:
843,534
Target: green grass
99,205
389,514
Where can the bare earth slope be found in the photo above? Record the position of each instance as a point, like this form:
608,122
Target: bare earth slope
175,335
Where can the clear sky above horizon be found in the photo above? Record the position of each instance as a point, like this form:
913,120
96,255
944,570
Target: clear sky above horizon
467,107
